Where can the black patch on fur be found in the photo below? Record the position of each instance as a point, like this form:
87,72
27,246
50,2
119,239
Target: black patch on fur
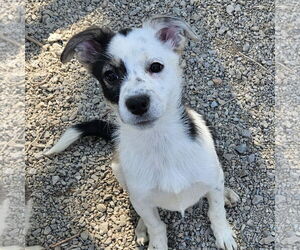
97,128
111,92
125,31
189,123
92,45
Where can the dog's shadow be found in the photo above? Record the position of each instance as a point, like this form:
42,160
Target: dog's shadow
79,179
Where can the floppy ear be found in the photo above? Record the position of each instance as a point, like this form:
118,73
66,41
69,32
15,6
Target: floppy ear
171,31
87,45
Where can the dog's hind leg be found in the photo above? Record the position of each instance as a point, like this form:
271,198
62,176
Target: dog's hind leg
141,233
231,198
156,229
217,215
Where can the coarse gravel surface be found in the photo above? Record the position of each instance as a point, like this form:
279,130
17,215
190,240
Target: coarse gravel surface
229,78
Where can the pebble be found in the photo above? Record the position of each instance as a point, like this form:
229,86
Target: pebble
246,47
242,148
101,208
47,230
230,9
84,235
251,158
217,80
214,104
257,199
267,240
103,227
54,37
246,133
55,179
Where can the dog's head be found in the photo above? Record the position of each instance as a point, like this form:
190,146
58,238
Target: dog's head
137,68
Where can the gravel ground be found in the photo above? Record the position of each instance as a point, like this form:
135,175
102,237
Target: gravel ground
229,78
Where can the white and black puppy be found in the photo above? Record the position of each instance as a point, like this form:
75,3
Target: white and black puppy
165,156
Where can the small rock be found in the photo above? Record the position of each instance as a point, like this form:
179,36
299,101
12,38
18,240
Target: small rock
246,47
55,179
242,148
36,232
64,118
222,30
135,11
214,104
237,8
107,197
228,157
54,37
251,158
210,83
101,208
257,199
230,9
255,28
84,235
123,220
267,240
103,228
246,133
196,17
47,230
217,80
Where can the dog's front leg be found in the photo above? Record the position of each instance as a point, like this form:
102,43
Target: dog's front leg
156,228
217,215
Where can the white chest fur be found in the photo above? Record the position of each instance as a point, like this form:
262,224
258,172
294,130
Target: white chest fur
164,164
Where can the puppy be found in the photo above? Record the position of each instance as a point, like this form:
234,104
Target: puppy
165,156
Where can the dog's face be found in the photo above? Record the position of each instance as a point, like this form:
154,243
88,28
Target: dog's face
137,68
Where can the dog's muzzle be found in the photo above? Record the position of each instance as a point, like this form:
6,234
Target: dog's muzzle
139,107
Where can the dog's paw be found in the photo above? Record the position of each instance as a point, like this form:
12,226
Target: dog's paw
225,239
159,242
230,197
141,238
141,233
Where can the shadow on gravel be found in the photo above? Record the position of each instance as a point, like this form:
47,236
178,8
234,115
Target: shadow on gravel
79,181
48,20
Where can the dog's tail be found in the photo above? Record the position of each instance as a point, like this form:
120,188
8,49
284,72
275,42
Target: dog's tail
97,128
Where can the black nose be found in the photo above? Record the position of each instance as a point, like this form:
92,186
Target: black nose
138,105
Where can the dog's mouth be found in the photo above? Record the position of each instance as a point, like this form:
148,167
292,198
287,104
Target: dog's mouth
145,123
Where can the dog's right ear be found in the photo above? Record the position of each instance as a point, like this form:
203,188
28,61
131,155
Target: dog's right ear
87,45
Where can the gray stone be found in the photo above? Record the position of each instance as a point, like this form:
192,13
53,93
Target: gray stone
257,199
246,133
242,148
246,47
84,235
47,230
214,104
230,9
55,179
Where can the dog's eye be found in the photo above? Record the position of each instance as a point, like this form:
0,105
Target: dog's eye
156,67
110,76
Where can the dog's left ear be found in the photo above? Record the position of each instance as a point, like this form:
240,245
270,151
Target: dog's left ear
172,31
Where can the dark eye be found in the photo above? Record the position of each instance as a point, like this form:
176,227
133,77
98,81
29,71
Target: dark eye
110,76
156,67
